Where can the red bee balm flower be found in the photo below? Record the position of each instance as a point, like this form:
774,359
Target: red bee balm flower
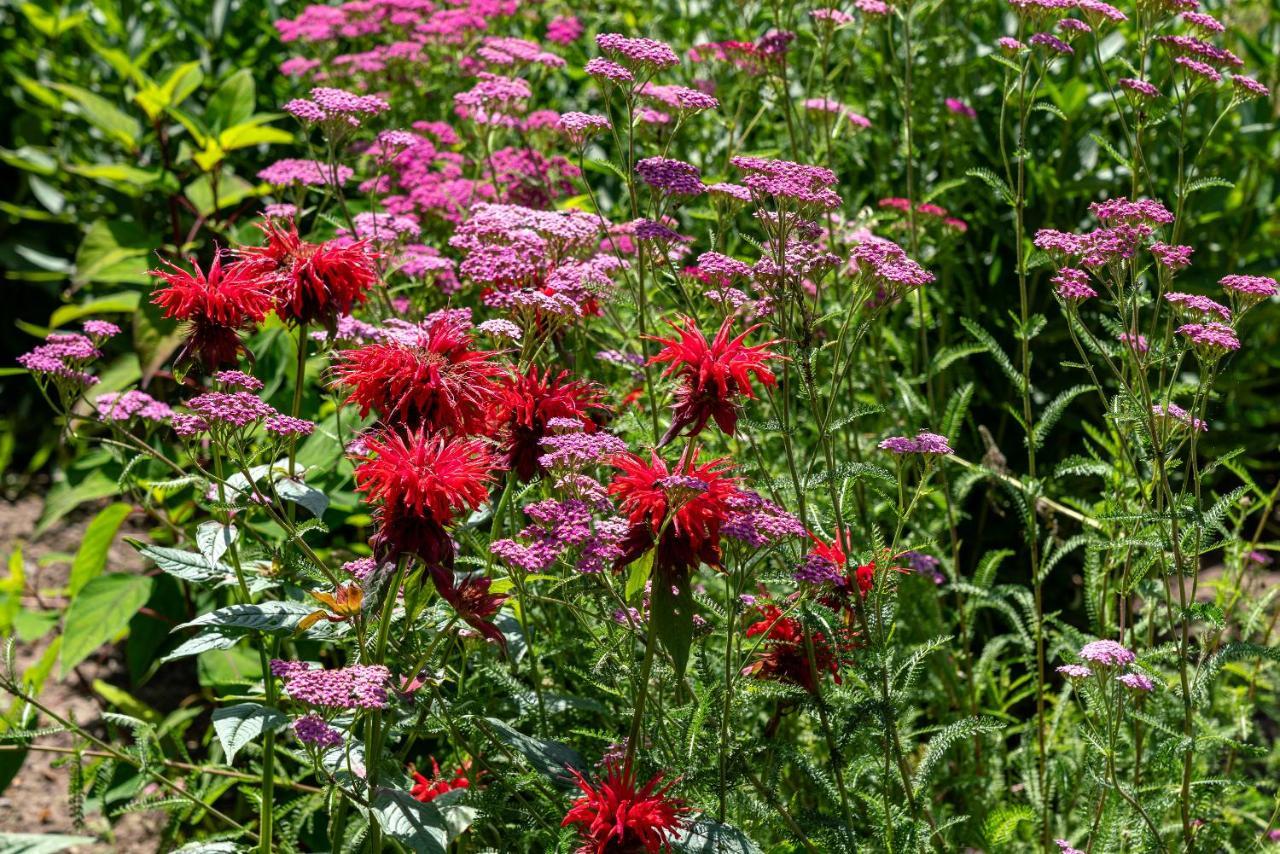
419,482
783,656
437,382
313,282
618,818
428,789
528,401
712,375
695,497
215,306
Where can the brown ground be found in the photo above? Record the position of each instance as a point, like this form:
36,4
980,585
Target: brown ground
36,801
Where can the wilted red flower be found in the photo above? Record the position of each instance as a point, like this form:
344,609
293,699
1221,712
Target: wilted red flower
682,509
712,375
428,789
783,657
527,401
312,282
419,481
471,600
215,305
437,382
617,817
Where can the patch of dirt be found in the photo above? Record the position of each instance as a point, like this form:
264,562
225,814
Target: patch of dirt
36,800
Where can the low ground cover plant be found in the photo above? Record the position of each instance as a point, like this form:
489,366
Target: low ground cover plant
589,432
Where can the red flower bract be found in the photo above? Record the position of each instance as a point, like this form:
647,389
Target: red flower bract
527,401
617,817
437,382
419,481
692,534
215,305
712,375
312,282
471,600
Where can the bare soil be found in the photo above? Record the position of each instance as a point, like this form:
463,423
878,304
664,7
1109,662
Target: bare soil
36,801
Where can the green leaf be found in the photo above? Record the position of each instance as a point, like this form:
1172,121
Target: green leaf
232,189
114,252
66,496
30,159
245,135
550,758
238,725
277,617
99,612
1003,822
51,24
638,576
704,836
40,843
188,566
997,352
125,302
233,101
292,489
994,181
206,641
417,826
671,617
126,178
105,116
91,558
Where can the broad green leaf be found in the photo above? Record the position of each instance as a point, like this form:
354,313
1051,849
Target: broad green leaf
65,496
292,489
417,826
238,725
104,115
51,24
638,576
99,612
245,135
114,252
188,566
206,641
233,101
276,616
91,558
671,616
30,159
232,190
704,836
125,302
127,179
551,758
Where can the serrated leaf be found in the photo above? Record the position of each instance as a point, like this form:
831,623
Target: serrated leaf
238,725
203,642
276,617
213,539
188,566
993,181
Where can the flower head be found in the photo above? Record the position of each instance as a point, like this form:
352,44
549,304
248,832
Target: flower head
419,482
312,282
617,815
1106,653
215,306
712,374
430,376
527,402
685,531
